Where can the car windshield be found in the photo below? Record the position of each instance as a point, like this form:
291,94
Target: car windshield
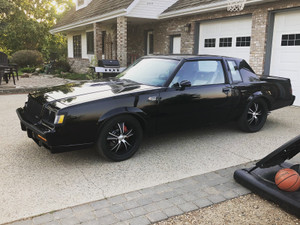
153,72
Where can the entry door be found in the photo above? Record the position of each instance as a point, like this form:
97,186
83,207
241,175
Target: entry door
285,57
176,45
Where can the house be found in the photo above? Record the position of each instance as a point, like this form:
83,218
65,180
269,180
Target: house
266,32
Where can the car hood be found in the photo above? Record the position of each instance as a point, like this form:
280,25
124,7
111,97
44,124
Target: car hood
284,152
76,93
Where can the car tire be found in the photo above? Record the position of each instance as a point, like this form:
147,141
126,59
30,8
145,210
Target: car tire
254,116
120,138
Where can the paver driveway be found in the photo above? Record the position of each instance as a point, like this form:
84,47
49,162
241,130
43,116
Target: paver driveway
33,181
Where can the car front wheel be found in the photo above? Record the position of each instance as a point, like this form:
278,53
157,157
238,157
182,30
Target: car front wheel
120,138
254,116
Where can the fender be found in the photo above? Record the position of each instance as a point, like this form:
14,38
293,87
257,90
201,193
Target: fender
259,94
140,114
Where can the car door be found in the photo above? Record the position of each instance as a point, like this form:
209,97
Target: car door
206,100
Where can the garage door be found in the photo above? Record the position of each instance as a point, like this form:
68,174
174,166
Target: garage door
285,57
228,37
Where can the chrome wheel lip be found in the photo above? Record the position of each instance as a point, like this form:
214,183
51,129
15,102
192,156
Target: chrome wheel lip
118,138
254,114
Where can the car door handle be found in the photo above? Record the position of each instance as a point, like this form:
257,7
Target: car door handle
226,90
153,99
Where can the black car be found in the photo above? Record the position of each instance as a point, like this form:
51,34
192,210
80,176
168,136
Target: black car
261,177
154,94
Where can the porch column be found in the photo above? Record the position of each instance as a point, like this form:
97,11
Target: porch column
258,40
97,41
122,40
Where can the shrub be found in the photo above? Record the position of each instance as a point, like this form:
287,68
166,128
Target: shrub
62,65
27,70
25,58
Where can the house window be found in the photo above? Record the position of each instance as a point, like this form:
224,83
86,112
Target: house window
290,40
175,44
225,42
103,41
243,41
90,42
80,2
210,43
77,46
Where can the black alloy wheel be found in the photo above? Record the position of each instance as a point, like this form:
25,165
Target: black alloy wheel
120,138
254,117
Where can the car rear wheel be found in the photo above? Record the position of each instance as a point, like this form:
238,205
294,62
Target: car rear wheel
120,138
254,116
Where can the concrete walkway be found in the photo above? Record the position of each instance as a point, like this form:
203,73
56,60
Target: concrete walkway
32,83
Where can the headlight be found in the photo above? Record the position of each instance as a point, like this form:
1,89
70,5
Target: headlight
59,119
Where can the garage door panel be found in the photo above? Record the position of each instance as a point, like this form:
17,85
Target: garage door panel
226,28
285,60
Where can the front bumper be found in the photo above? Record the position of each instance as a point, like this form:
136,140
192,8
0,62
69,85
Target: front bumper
46,136
40,133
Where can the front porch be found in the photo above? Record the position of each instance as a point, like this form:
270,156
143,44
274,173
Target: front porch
124,39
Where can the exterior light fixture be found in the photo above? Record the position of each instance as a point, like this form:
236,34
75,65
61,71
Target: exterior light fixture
187,27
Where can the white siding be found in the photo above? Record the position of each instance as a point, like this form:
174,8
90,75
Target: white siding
150,8
86,2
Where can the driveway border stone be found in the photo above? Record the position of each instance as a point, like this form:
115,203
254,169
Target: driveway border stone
152,204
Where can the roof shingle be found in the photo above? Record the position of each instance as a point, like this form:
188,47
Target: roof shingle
185,4
95,8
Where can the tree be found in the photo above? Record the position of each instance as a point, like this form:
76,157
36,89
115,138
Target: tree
25,25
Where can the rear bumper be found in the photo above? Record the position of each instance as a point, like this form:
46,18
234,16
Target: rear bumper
46,136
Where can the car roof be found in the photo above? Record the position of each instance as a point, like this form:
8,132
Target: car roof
190,57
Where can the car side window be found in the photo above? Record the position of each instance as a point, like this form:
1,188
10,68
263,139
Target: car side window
203,72
235,73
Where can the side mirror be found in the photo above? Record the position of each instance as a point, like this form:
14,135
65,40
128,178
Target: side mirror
185,83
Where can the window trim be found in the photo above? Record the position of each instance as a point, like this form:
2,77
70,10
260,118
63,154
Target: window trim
228,42
239,44
290,42
208,41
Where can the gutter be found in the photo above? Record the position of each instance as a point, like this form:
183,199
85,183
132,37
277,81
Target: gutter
103,17
202,9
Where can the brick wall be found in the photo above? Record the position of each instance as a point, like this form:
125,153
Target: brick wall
122,40
79,65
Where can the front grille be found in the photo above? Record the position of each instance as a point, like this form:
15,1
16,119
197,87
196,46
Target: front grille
48,115
36,111
33,109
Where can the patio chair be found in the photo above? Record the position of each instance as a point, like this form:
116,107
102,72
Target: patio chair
7,70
